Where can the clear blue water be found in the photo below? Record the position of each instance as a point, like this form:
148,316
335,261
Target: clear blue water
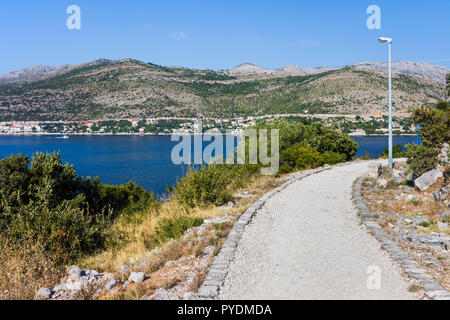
142,159
375,145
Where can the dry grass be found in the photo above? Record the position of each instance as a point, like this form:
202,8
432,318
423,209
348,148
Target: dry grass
382,201
197,282
415,288
423,204
133,235
25,268
152,262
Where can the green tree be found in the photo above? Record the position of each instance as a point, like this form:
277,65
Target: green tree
397,152
434,125
421,158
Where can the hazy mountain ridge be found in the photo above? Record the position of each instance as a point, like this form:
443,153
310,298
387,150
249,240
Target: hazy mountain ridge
417,69
128,88
31,73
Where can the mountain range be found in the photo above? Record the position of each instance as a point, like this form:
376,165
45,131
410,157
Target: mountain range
418,69
31,73
127,88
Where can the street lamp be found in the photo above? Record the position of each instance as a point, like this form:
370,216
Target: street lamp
389,41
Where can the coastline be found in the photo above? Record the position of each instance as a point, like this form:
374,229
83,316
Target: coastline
156,134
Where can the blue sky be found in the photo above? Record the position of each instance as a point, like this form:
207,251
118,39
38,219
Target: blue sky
218,34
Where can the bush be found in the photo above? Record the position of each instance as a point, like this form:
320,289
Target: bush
26,266
331,158
44,200
208,186
317,136
301,157
172,228
434,132
421,158
305,145
434,125
397,152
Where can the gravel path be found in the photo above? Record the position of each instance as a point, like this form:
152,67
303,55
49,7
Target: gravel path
307,243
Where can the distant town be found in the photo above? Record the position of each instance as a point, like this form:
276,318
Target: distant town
376,123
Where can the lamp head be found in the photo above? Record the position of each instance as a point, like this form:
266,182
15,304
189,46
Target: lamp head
383,40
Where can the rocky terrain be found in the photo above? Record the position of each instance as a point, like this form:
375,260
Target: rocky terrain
249,68
417,217
31,73
125,89
173,271
142,279
417,69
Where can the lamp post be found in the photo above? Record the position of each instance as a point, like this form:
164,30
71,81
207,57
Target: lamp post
389,41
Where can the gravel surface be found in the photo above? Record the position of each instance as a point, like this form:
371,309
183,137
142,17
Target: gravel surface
307,243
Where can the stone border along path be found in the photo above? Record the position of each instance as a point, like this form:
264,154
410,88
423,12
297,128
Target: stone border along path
432,288
219,268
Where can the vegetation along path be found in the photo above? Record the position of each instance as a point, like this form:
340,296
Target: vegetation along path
307,243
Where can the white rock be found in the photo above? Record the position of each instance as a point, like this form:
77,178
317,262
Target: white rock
137,277
110,284
442,225
124,267
43,294
427,179
397,176
227,206
74,286
375,171
91,273
187,296
74,273
60,287
169,263
382,182
208,250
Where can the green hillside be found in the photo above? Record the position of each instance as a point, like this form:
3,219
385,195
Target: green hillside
128,88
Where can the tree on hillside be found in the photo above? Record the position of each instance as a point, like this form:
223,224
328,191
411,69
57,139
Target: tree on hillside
435,134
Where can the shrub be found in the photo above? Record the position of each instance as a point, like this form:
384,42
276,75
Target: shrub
44,200
317,136
434,125
171,228
208,186
397,152
421,158
331,158
306,145
434,132
124,199
26,266
301,157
